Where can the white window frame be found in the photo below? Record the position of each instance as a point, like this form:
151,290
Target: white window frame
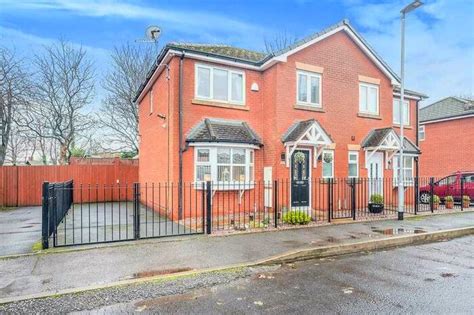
396,118
231,184
331,152
309,75
211,84
408,181
349,162
421,130
151,101
367,111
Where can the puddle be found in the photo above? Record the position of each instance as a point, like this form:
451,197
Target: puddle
397,231
152,273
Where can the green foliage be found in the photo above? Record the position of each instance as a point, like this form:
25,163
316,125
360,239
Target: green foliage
376,198
449,199
128,154
466,198
296,217
436,199
78,152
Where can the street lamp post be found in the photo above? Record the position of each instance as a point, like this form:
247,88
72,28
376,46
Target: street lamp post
401,181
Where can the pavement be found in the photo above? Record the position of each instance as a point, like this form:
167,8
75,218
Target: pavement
94,267
20,229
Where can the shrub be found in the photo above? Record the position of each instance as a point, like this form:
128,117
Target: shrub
435,199
466,198
376,198
296,217
449,199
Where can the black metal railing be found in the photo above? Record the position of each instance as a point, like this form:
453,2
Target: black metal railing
87,214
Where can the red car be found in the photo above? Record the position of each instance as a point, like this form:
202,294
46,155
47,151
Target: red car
450,186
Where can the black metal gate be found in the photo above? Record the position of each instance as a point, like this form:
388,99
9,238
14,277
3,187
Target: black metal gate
91,214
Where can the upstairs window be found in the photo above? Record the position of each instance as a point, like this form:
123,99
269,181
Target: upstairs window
368,98
396,112
421,133
308,86
218,84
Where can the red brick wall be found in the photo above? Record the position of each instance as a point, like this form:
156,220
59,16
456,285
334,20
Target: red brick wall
447,147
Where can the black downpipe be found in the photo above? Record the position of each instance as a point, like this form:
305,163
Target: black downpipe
180,136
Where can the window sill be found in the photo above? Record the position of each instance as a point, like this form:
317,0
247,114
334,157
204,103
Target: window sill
404,126
219,104
370,116
309,108
231,186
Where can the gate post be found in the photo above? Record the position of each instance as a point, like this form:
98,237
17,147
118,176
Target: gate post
45,216
353,198
329,199
275,203
462,192
431,194
208,208
136,210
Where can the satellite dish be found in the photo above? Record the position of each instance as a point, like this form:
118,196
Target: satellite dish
152,33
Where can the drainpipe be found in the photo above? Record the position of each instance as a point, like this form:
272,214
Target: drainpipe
417,158
180,136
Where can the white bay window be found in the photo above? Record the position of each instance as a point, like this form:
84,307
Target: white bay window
219,84
407,169
224,165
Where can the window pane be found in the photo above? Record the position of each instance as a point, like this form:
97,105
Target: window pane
251,156
363,98
315,90
327,164
396,112
223,173
203,172
408,162
373,100
352,170
237,87
353,157
203,155
220,84
238,173
204,82
251,172
223,155
406,113
302,88
238,156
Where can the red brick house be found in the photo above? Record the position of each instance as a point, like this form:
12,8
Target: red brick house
325,107
446,137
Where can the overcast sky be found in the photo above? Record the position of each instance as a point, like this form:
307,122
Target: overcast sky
440,35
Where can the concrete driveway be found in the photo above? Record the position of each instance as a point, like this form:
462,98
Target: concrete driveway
20,229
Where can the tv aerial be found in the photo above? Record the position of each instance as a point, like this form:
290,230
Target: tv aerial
152,34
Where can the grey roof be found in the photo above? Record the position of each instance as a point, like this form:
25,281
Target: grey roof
219,130
298,129
251,57
376,136
449,107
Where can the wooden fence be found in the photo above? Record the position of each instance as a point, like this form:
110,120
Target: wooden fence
21,185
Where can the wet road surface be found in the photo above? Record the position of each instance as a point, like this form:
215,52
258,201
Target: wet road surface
433,278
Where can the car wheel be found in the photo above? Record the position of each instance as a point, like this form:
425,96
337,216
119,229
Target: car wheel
425,197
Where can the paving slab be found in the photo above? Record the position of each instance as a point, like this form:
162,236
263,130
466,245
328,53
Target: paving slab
56,271
20,229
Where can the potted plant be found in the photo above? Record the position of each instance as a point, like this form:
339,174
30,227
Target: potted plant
435,202
466,201
449,202
376,203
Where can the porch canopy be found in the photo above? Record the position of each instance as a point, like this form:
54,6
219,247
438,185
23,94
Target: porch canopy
387,141
306,133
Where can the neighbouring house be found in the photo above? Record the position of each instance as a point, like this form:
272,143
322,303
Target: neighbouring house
325,107
446,136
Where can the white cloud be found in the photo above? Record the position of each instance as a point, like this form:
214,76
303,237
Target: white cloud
439,43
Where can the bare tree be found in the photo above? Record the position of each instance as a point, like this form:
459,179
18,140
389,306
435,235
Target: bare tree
279,42
14,91
119,114
64,86
21,147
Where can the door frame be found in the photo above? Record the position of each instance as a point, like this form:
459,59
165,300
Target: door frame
309,179
376,154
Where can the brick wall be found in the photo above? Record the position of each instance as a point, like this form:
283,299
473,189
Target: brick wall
447,148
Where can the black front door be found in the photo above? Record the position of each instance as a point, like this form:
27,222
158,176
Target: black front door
300,179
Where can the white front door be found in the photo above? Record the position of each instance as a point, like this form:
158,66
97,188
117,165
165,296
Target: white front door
375,170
